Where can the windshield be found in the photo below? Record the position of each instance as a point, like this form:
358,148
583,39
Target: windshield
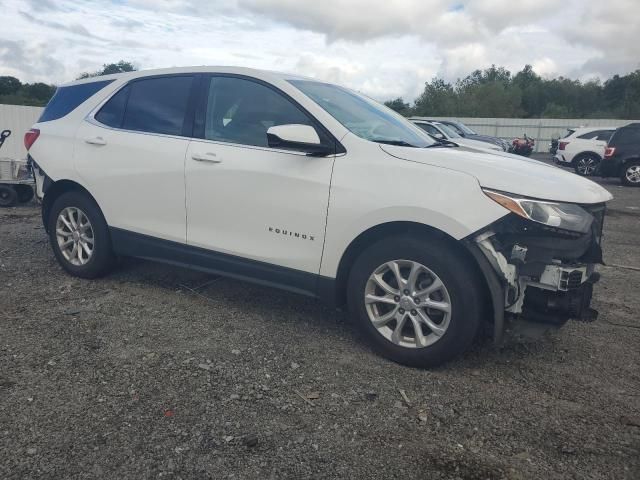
451,133
466,130
363,116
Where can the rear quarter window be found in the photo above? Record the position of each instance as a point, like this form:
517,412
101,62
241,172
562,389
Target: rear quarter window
67,99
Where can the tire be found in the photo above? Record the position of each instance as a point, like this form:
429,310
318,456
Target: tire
25,193
72,205
8,196
461,291
586,164
630,175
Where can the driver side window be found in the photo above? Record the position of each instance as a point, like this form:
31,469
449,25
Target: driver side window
241,111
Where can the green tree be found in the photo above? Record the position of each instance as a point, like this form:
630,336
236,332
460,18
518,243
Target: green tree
399,106
9,85
110,68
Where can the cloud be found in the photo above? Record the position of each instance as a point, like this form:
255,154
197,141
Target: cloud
384,48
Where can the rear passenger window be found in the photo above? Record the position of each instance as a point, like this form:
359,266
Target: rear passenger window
67,99
112,113
158,105
588,136
604,135
155,105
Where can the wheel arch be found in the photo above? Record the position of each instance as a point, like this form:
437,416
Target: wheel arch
583,154
383,230
56,189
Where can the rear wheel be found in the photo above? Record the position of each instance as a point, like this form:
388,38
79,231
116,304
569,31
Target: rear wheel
79,236
631,174
586,165
8,196
415,300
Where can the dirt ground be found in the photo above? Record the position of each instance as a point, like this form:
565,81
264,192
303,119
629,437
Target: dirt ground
160,372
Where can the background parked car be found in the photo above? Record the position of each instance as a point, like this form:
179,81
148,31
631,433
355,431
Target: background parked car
583,148
622,156
443,132
465,132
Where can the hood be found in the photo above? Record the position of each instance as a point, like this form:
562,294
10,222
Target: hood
508,173
467,142
484,138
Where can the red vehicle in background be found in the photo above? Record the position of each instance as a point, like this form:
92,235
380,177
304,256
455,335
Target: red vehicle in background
522,146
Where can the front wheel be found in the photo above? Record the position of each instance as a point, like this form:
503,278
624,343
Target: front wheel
79,236
631,174
417,301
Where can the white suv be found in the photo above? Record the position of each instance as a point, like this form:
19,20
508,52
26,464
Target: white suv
307,186
583,148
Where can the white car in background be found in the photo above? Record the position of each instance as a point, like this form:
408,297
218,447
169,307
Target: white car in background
443,132
583,148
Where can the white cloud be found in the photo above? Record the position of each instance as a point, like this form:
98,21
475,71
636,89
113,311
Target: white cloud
381,47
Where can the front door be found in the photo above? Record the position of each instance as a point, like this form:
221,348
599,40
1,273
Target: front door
248,200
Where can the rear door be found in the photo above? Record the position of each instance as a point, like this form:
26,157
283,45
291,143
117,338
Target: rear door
131,154
245,198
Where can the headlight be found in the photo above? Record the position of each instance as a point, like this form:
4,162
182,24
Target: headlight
567,216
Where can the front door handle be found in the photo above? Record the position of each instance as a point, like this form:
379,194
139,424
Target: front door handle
206,157
96,141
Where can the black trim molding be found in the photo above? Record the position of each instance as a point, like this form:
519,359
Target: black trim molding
133,244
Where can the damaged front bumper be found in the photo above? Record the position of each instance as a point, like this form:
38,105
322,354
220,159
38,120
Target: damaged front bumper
537,273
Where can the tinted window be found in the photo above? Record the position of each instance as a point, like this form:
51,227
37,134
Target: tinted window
625,136
588,135
112,113
604,135
363,116
241,111
66,99
430,129
158,105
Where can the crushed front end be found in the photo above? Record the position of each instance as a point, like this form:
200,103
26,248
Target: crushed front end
544,255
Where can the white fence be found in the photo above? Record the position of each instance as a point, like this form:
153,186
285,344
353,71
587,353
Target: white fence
18,119
542,130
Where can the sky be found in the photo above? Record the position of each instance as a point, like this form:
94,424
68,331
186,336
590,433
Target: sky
383,48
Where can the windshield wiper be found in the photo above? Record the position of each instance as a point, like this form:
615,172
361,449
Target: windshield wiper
440,142
391,141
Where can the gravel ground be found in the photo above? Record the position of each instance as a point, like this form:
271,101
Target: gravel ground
160,372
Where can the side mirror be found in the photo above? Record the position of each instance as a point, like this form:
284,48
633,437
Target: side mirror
297,137
439,135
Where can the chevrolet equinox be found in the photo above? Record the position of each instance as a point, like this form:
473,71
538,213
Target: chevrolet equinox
303,185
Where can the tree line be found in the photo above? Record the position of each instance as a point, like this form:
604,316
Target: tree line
495,92
14,92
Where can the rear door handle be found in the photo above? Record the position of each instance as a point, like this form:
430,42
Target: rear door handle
96,141
206,157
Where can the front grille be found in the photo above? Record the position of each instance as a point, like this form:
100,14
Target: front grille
571,280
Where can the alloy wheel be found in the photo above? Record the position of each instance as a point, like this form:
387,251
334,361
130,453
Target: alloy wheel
407,303
632,174
586,166
75,237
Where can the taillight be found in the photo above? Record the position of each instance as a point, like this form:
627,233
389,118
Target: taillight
30,137
561,145
609,151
